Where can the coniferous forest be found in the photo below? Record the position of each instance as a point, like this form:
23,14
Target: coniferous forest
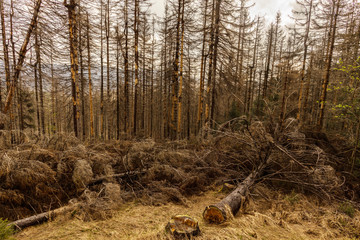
104,103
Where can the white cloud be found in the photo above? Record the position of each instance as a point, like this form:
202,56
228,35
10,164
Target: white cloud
266,8
269,8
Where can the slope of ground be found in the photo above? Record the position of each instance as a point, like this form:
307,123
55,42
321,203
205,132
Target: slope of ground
268,215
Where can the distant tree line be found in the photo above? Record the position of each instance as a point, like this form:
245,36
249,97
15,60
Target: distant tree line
109,69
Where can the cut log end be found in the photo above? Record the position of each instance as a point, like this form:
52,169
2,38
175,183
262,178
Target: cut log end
213,214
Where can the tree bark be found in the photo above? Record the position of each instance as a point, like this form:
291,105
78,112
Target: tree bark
181,71
136,32
268,62
89,73
101,74
21,58
231,204
302,82
39,68
5,46
326,78
74,60
126,68
107,30
202,71
40,218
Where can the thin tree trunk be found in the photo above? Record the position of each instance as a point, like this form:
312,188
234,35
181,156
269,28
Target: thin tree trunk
89,73
39,68
152,79
126,67
5,47
210,74
202,71
175,77
54,115
326,78
101,74
307,90
82,79
117,84
143,75
136,32
216,43
108,105
181,72
74,60
268,62
21,58
36,79
300,107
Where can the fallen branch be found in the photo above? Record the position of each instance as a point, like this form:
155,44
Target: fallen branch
42,217
231,204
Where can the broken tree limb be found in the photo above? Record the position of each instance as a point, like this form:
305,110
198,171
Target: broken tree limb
42,217
230,205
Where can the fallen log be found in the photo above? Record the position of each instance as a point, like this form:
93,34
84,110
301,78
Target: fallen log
42,217
230,205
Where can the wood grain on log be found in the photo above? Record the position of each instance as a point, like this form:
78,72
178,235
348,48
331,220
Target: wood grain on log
230,205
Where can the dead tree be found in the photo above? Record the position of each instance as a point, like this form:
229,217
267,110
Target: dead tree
74,60
21,58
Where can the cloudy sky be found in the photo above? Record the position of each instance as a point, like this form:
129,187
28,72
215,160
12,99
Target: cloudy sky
267,8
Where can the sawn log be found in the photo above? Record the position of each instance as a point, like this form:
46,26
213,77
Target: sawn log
230,205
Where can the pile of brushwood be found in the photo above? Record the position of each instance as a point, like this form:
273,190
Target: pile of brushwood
38,174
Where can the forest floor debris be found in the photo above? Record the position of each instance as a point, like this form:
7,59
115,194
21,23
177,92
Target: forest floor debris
42,174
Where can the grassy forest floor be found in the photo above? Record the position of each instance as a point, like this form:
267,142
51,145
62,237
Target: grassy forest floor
269,215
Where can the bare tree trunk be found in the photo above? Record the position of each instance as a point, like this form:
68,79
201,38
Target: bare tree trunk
126,66
117,83
21,58
175,77
143,74
54,115
152,79
326,78
108,105
36,79
82,79
307,90
300,107
210,73
89,73
5,47
268,62
136,32
202,71
216,43
74,60
39,68
181,72
102,133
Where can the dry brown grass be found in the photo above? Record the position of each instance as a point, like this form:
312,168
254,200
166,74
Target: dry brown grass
284,217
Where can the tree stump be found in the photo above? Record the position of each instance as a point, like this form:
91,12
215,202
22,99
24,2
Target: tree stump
183,226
